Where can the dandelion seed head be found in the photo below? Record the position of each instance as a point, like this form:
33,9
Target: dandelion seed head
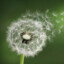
31,26
28,34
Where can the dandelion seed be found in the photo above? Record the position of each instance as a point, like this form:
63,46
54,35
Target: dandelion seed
48,27
62,19
59,31
62,13
53,33
54,14
47,11
49,38
57,21
61,26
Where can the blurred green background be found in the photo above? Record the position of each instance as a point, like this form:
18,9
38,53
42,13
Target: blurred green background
11,10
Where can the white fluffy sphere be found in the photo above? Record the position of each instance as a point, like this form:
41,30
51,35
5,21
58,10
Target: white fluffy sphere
26,25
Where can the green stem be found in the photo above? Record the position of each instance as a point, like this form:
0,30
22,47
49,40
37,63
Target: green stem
22,59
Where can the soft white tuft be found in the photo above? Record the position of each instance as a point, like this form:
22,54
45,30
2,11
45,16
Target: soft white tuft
39,24
34,46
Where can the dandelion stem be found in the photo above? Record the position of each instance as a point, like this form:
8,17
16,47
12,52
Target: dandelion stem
22,59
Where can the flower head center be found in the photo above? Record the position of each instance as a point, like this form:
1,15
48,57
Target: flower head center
26,37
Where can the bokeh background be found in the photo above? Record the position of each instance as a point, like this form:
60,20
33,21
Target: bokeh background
11,10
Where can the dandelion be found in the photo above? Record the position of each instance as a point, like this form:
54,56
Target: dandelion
26,37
